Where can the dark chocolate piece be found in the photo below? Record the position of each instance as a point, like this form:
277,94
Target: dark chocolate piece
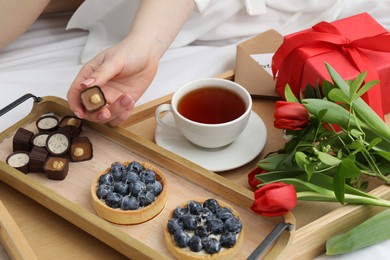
39,139
71,125
93,98
80,149
58,143
22,140
47,123
19,161
56,168
38,156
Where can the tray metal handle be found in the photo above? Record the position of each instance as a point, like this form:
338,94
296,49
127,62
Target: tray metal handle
275,233
18,102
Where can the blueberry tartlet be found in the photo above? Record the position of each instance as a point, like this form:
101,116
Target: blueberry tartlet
129,193
204,229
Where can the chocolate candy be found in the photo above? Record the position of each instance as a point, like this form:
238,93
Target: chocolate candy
38,156
80,149
19,160
58,143
71,125
56,168
39,139
47,123
22,140
93,98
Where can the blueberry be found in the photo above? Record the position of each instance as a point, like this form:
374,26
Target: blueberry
195,244
132,176
154,187
215,226
181,238
117,171
201,231
211,245
228,240
145,198
138,187
173,225
194,207
103,190
211,204
178,212
113,200
189,222
147,176
223,213
129,203
106,179
233,224
205,214
121,187
134,166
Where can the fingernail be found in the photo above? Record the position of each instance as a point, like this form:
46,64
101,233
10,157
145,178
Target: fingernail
102,116
131,106
125,101
77,114
88,81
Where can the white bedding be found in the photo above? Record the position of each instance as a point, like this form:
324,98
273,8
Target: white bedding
45,60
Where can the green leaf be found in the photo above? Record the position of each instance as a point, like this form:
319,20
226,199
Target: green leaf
337,95
272,162
301,159
374,142
372,231
339,185
277,175
355,84
348,168
366,87
328,159
289,95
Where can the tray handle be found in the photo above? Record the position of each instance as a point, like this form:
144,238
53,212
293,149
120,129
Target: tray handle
275,233
18,102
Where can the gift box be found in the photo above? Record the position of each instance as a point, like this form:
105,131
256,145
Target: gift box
253,64
351,45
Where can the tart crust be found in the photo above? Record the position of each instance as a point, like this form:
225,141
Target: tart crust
187,254
124,217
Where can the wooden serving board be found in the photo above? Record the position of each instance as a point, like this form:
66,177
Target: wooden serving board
71,198
315,221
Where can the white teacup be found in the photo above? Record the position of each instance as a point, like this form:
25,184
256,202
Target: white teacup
208,125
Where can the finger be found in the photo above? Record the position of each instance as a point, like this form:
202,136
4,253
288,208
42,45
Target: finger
122,105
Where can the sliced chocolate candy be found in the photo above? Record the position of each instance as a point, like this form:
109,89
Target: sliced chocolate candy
93,98
19,160
38,156
39,139
71,125
56,168
80,149
48,123
58,143
22,140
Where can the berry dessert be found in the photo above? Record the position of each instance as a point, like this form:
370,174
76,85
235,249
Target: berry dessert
129,193
204,229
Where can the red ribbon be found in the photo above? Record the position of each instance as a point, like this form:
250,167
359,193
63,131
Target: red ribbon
328,38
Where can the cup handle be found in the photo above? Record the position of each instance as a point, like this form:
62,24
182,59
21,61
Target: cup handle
162,109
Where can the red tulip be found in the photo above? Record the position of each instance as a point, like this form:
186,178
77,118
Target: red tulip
252,180
290,115
274,199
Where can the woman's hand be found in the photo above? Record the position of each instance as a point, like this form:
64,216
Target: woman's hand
123,72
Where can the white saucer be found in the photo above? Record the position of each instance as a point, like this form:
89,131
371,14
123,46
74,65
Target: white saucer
244,149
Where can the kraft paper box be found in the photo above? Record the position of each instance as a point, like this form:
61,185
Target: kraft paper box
252,74
351,45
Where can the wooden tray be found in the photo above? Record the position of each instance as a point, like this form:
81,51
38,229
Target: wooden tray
315,221
71,197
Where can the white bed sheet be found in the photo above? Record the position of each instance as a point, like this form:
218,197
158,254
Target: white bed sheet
45,60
